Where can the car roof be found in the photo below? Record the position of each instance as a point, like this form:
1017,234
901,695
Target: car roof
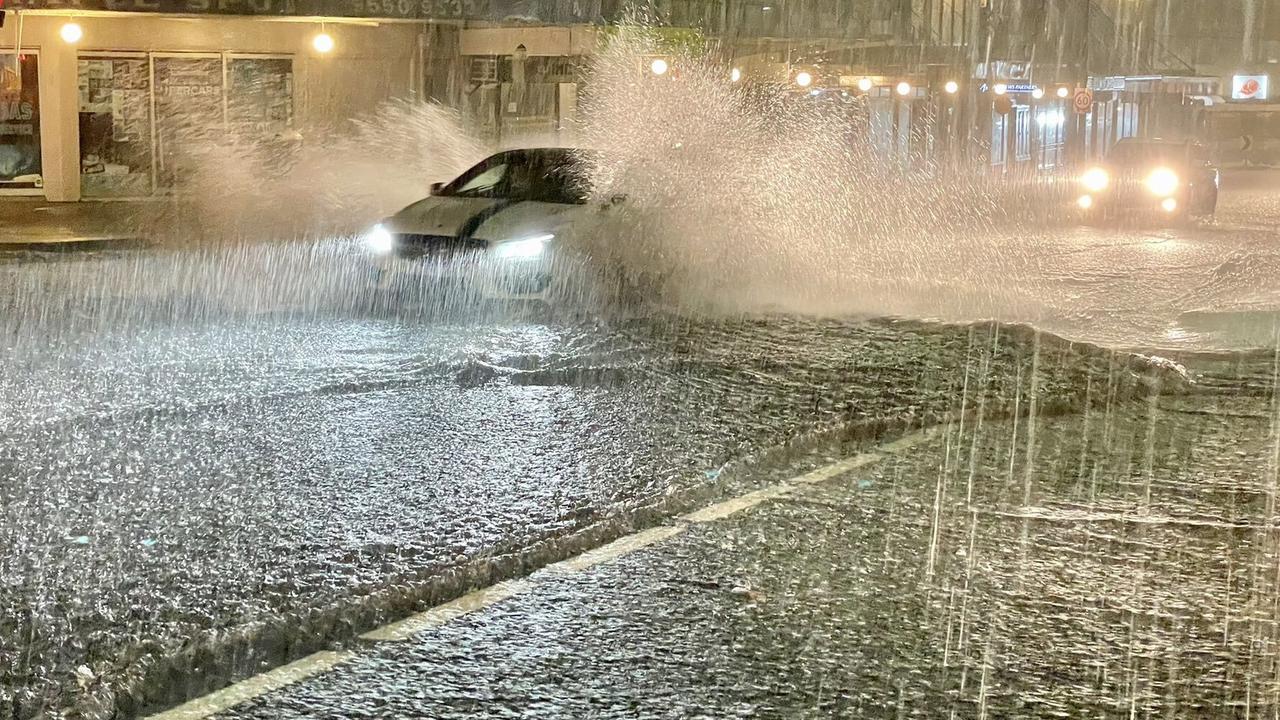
550,152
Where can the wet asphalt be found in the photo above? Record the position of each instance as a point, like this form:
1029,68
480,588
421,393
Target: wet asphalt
215,461
189,503
1117,563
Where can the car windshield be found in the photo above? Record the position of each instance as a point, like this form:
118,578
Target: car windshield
1144,153
543,175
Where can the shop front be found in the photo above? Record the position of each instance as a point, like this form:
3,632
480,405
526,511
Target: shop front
118,113
20,168
138,112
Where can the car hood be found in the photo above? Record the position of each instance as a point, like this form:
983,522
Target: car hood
480,218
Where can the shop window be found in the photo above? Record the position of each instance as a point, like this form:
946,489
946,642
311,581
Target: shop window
115,126
20,122
1022,133
999,137
189,119
149,121
259,96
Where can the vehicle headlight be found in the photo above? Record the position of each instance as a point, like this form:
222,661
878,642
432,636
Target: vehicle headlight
1095,179
524,248
380,240
1162,182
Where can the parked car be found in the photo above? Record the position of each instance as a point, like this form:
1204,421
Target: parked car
497,228
1172,178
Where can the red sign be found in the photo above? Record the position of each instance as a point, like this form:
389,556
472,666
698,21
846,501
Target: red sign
1082,100
1249,87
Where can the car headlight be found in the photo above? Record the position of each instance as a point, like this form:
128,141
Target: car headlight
1095,179
380,240
524,248
1162,182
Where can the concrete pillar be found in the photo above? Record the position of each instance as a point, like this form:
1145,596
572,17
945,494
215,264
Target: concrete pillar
59,118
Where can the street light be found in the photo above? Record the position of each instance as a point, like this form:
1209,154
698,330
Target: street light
804,79
865,84
1000,88
735,75
659,66
904,88
1037,93
322,42
1063,92
952,87
71,33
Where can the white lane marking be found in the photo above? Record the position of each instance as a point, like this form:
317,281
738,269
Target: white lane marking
722,510
906,442
441,614
255,686
841,467
479,599
614,550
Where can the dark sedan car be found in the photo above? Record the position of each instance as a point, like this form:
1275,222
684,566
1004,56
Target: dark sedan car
1172,178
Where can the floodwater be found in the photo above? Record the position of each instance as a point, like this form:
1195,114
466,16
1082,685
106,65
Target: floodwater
224,453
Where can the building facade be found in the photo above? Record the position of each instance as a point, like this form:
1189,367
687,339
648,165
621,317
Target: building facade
99,97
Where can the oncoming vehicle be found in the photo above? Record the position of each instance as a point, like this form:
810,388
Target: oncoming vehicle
495,229
1171,178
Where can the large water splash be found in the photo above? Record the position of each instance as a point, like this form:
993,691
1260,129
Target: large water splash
324,180
764,198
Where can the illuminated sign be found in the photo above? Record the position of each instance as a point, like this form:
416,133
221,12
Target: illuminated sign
1249,87
1011,88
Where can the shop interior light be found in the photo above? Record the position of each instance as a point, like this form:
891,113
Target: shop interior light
804,79
1063,91
865,84
952,87
1037,93
322,42
71,33
1000,88
904,88
659,66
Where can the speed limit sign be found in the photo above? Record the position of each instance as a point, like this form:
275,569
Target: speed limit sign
1082,100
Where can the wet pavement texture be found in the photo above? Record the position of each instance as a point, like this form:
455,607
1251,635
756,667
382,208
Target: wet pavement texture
1111,564
170,487
216,457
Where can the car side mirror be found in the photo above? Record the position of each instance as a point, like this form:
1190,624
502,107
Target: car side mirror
435,188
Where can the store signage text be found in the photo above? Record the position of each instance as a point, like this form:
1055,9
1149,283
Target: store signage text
1011,88
13,109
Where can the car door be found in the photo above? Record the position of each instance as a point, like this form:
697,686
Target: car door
1203,175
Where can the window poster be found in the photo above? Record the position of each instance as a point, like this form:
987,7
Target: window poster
20,121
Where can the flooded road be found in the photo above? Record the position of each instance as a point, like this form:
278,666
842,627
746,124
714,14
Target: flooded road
1122,564
217,459
227,496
